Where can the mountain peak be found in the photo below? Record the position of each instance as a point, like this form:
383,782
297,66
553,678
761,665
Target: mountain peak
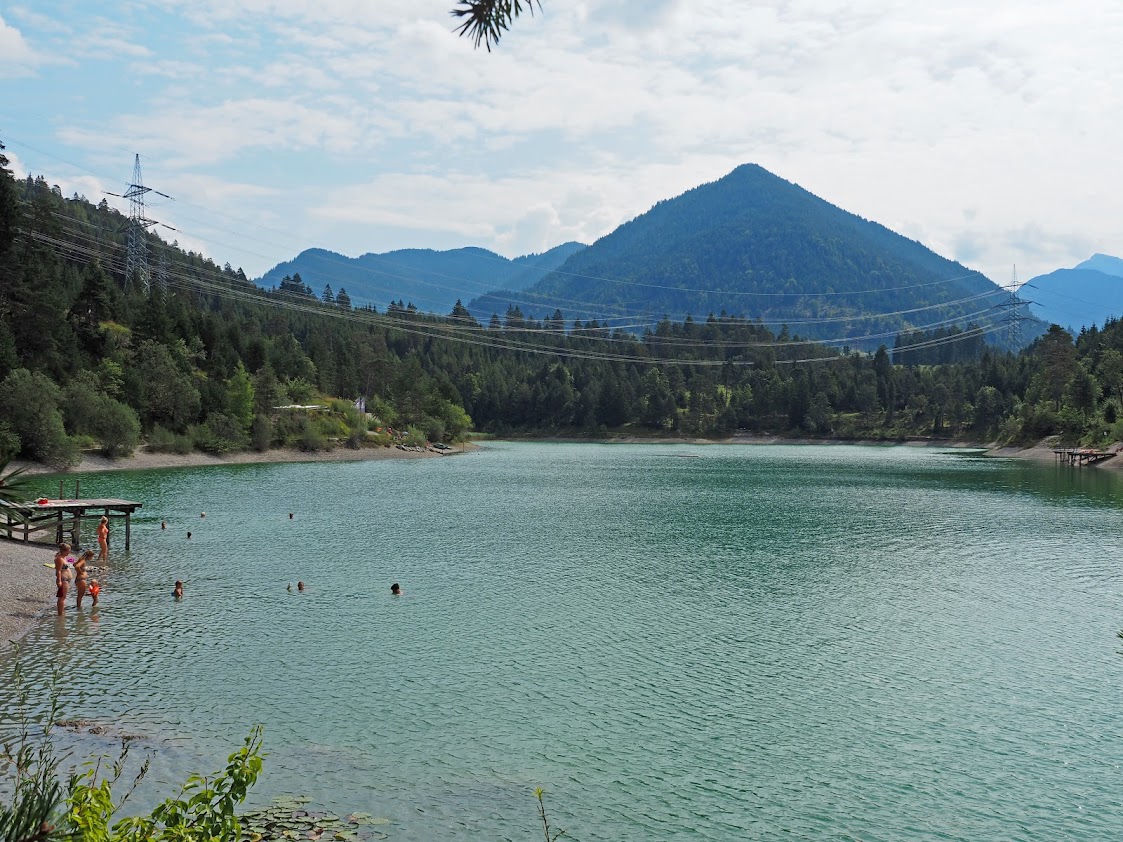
1103,263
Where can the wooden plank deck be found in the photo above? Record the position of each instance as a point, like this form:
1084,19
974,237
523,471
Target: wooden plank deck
64,518
1081,456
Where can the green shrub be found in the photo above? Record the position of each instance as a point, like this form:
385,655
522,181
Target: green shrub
300,390
434,429
29,402
84,441
80,402
162,440
116,426
219,434
261,433
9,442
309,438
383,412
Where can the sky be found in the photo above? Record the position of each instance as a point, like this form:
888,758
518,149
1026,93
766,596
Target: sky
988,132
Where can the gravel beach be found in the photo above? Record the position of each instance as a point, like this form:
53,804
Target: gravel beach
26,587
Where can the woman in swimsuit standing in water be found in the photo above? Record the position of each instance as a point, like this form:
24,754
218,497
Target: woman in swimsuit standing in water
62,576
103,538
80,576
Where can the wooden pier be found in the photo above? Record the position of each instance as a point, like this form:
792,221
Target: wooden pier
62,520
1081,456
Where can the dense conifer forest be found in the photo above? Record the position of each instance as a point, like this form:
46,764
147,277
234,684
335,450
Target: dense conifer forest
204,359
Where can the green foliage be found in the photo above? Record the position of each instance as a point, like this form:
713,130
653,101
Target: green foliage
219,434
549,835
240,397
301,431
116,426
383,411
216,364
261,433
163,440
204,811
300,391
14,485
33,790
160,389
414,437
29,402
36,806
89,411
9,442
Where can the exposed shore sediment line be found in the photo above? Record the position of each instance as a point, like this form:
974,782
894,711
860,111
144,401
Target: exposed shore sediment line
26,587
144,459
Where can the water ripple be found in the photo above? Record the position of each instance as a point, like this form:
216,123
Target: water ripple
820,642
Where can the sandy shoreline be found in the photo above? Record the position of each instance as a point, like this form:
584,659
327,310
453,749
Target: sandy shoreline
143,459
26,587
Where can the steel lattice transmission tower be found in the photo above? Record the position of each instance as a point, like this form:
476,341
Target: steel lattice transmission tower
136,257
1016,304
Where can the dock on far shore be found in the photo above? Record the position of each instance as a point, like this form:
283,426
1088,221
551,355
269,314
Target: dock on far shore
1081,456
62,519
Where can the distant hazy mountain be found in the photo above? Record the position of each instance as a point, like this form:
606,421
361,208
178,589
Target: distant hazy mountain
753,244
431,280
1086,295
1103,263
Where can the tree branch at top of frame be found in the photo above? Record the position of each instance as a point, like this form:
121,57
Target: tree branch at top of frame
485,21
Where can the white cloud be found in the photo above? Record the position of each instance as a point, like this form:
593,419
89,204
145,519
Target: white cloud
591,111
16,56
189,137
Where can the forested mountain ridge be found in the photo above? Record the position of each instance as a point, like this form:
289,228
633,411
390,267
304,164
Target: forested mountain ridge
754,245
430,280
203,358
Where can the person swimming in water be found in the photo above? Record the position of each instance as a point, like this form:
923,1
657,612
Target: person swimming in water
177,592
300,586
395,589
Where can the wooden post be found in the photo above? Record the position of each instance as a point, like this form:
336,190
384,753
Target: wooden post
128,519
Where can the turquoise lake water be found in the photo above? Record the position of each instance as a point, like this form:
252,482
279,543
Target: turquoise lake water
751,642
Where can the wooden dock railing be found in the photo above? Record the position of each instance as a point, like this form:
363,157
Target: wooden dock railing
55,521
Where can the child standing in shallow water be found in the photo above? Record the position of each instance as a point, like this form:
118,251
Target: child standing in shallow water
95,589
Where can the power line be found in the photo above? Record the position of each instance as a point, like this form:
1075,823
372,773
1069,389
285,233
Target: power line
477,336
637,318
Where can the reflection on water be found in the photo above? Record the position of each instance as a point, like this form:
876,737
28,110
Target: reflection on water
822,641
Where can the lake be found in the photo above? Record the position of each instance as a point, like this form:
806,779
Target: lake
675,641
